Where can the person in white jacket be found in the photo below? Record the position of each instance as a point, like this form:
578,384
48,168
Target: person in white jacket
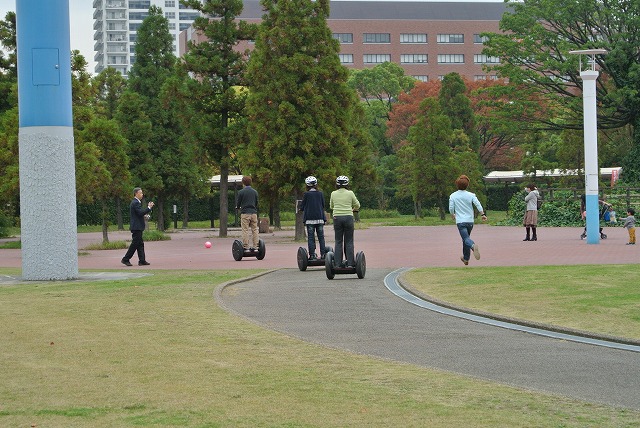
531,215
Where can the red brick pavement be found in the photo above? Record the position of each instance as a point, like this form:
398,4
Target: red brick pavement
385,247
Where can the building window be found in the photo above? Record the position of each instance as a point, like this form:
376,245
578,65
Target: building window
376,38
343,37
170,15
133,37
138,16
421,78
172,26
188,16
413,38
346,58
184,26
134,26
478,39
413,59
484,59
450,59
139,4
479,77
170,3
450,38
376,58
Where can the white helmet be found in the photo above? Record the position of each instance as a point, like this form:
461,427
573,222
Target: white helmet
342,180
311,181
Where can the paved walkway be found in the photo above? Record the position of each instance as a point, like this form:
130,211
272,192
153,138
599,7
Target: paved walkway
385,247
362,316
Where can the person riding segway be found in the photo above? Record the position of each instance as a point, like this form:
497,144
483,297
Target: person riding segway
314,218
343,203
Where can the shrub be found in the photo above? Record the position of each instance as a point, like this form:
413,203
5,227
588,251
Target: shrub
562,210
155,235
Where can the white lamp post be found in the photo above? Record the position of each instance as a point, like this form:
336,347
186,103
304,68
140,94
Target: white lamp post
589,77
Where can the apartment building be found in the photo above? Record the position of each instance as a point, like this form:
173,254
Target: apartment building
116,23
427,39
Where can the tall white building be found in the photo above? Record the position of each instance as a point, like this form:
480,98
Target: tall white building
116,23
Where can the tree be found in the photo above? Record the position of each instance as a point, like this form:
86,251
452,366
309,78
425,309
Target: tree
534,47
219,68
303,118
160,143
457,106
430,166
108,87
8,64
384,83
9,171
115,178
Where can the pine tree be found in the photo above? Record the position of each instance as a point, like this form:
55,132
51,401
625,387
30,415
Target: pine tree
219,68
302,115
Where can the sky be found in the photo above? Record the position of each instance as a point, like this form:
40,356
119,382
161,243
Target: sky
81,18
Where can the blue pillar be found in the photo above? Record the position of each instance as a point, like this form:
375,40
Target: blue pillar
47,162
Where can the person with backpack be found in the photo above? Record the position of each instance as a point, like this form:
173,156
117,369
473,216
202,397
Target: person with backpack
531,214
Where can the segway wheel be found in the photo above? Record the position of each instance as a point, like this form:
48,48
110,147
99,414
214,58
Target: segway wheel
328,265
303,259
262,250
361,265
327,249
237,250
603,236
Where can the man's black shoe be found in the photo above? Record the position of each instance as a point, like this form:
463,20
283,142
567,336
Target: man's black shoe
143,263
126,262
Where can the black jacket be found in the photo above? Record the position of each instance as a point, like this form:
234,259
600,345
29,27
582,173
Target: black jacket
136,215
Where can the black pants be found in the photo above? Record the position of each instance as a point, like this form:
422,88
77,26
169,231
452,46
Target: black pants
137,244
343,227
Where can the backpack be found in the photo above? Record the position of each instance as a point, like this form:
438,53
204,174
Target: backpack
539,202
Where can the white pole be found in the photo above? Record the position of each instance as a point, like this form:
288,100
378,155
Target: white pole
589,78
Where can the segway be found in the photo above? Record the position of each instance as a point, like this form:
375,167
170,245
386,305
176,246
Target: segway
304,261
332,270
239,251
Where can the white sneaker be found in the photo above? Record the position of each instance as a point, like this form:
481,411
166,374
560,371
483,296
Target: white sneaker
476,251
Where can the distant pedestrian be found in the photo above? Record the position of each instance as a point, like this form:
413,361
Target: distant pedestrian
531,214
136,226
630,225
314,216
461,203
247,204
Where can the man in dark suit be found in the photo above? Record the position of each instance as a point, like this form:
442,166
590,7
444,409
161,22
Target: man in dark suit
136,226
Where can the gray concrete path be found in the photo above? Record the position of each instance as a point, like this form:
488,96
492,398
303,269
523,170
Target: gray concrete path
362,316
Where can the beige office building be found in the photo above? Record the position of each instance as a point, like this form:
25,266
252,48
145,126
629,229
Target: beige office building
427,39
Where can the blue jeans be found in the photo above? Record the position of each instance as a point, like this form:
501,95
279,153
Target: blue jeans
343,226
312,230
467,243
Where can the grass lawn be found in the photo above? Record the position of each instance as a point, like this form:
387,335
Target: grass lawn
158,351
598,298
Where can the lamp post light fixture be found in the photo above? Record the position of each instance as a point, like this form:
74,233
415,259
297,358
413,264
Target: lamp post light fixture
589,76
